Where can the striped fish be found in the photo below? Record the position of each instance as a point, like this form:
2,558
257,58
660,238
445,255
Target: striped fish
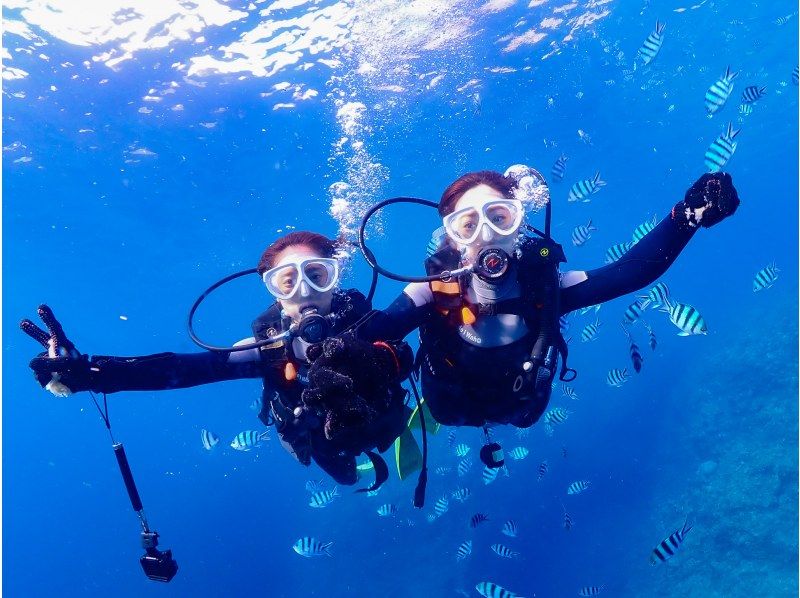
765,278
542,470
464,466
578,487
718,93
591,590
753,93
557,415
209,439
372,493
636,356
504,551
796,75
441,506
785,19
487,589
615,252
582,233
687,318
635,310
443,470
257,404
510,529
658,296
569,392
431,517
249,439
640,231
559,168
489,474
651,46
519,453
563,324
721,149
745,110
589,332
436,242
581,190
477,519
666,549
567,521
451,438
310,547
314,485
461,494
596,307
387,510
323,498
522,433
464,550
617,377
652,341
461,450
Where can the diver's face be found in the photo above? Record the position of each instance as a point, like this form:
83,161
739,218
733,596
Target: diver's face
475,198
306,296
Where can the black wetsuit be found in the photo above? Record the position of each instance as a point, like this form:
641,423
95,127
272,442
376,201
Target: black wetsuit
465,384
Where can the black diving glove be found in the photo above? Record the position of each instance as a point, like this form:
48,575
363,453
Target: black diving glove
61,368
351,380
711,199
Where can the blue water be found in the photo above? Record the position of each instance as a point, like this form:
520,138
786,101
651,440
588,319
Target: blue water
146,155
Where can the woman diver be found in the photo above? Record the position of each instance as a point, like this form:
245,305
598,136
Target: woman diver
489,309
331,425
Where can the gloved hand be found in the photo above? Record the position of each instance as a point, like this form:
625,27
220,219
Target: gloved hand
350,380
61,369
711,199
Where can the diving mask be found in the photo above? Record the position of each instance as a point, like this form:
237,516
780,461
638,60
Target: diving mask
319,273
503,216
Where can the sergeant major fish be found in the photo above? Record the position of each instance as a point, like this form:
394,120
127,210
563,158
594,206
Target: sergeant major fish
721,149
578,487
651,46
504,551
488,589
542,470
209,439
582,233
323,498
310,547
464,550
519,453
686,317
510,529
635,310
559,168
718,93
615,252
249,439
753,93
657,295
581,190
636,356
617,377
640,231
477,519
589,332
666,549
387,510
765,277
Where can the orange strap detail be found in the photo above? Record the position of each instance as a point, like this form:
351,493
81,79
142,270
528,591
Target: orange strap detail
446,288
467,317
289,371
388,348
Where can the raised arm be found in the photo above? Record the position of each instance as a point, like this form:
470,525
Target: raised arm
709,200
63,370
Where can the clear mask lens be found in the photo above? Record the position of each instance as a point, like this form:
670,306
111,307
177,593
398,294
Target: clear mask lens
320,274
502,216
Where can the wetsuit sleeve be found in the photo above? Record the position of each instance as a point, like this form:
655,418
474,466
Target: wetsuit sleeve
642,265
164,371
395,322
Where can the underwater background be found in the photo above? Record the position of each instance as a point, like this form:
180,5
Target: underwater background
151,148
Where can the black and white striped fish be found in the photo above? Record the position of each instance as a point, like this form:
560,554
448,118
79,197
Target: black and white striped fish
640,231
581,190
718,93
323,498
635,310
615,252
441,506
461,450
658,296
477,519
209,439
753,93
559,168
257,404
563,323
596,307
785,19
310,547
314,485
461,494
569,392
591,590
651,46
519,453
667,547
557,415
721,149
488,589
437,240
578,487
504,551
765,277
451,438
542,470
387,510
442,470
589,332
652,341
617,377
745,110
249,439
464,550
510,529
686,317
636,356
464,466
489,474
796,75
582,233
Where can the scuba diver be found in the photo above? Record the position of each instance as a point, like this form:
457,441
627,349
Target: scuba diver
488,311
344,415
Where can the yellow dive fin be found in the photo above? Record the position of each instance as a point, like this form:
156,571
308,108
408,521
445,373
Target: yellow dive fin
431,424
407,454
